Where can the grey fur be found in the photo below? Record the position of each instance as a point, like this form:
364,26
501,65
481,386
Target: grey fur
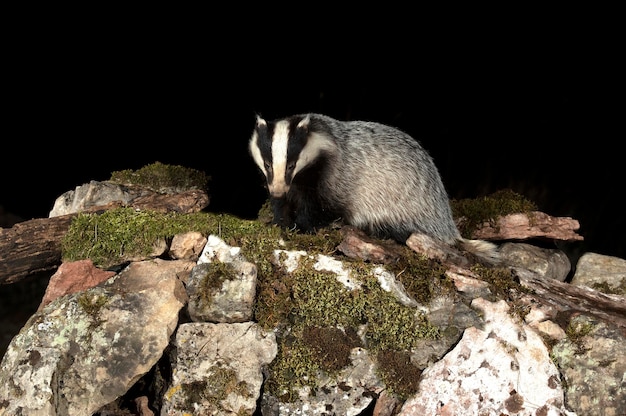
378,179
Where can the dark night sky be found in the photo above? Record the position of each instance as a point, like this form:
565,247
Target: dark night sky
538,116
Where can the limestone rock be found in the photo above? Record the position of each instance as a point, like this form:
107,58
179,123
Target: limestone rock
550,263
501,369
85,350
593,363
217,369
601,272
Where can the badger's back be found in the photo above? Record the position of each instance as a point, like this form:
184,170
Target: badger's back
386,182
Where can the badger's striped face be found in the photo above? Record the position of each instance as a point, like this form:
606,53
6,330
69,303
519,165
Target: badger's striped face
283,148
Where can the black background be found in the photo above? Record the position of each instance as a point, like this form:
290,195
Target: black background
534,106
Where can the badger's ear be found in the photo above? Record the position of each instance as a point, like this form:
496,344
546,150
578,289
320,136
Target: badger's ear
304,123
260,122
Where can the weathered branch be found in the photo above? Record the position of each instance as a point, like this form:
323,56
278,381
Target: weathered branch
31,247
566,297
534,224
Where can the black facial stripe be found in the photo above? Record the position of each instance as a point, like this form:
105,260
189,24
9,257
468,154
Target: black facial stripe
264,143
297,140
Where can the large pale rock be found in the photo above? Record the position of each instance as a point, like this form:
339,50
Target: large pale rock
217,369
86,349
593,364
111,195
550,263
601,272
500,369
222,287
94,194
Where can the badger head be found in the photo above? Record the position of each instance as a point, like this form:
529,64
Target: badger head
285,147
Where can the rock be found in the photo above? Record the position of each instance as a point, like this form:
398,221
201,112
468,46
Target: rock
593,364
550,263
604,273
72,277
503,368
524,226
222,290
217,369
86,349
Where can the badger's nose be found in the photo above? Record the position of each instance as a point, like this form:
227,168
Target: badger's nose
278,190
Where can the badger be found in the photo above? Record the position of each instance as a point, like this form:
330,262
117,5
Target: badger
366,174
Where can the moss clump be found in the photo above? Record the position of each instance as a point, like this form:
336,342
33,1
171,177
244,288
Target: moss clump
401,377
502,281
309,306
91,303
604,287
294,367
110,238
215,274
423,278
577,329
331,346
162,178
473,212
219,383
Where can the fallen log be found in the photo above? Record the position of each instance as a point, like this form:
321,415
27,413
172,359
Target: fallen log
568,298
31,247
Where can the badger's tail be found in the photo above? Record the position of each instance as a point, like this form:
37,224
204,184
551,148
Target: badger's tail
482,249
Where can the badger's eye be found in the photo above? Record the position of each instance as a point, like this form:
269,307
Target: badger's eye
267,166
291,167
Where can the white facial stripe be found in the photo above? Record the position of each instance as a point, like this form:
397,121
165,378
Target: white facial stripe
278,187
315,145
256,153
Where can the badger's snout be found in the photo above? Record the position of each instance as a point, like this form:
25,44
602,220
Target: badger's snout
278,190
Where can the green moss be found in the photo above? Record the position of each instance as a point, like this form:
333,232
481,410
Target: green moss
294,367
331,346
311,305
91,303
604,287
215,388
162,178
216,273
423,278
487,209
577,329
110,238
502,281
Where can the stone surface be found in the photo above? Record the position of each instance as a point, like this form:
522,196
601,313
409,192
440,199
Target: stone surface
217,369
72,277
593,363
599,271
550,263
222,286
500,369
85,350
524,226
